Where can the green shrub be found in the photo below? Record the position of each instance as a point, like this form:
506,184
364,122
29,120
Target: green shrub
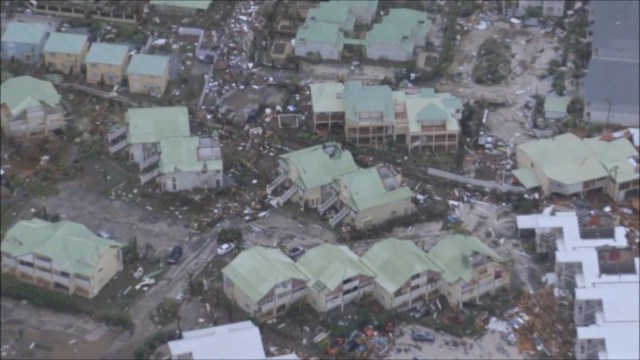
16,289
116,318
154,341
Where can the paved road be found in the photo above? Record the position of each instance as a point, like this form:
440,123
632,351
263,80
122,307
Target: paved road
174,282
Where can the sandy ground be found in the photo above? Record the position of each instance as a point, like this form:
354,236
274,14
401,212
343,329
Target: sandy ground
490,346
330,72
50,335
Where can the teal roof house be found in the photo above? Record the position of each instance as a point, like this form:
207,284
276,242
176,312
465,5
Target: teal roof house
63,256
24,42
399,36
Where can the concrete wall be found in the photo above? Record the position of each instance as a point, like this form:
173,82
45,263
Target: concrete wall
189,180
481,284
109,264
140,152
384,212
112,74
238,297
66,62
387,52
326,50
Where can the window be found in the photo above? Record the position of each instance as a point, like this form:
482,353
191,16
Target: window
26,263
415,287
93,65
416,276
394,213
497,274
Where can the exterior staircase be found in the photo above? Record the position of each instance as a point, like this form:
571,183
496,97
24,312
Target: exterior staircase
287,195
145,178
327,204
149,161
275,183
338,217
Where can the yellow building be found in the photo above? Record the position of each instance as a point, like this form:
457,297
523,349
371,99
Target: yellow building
106,62
65,52
148,74
64,256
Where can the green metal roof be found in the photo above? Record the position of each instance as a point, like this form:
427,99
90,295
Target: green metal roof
327,33
451,255
328,265
396,261
24,33
190,4
335,12
429,107
400,27
359,98
22,92
614,156
182,153
556,104
65,43
366,189
101,53
150,125
143,64
564,158
527,178
257,270
70,245
327,97
316,167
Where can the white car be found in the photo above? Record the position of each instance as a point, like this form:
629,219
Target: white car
104,234
225,248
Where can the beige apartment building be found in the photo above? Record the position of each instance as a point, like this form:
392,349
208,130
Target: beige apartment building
65,52
264,282
63,256
336,277
148,74
106,62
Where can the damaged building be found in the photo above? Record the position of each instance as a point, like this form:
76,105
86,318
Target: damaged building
325,177
421,119
30,107
568,165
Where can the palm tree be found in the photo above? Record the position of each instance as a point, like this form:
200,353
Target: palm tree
607,101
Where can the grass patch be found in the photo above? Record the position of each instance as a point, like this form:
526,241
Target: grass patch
494,62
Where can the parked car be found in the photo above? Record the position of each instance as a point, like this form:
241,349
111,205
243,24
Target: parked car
420,311
422,336
104,234
225,248
175,255
295,252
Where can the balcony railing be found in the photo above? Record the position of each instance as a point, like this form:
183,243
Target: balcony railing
117,147
145,178
339,216
149,161
275,183
327,204
117,132
286,196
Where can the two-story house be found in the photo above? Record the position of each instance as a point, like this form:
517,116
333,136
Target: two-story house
336,277
470,269
30,107
187,163
370,197
106,63
369,113
400,35
421,119
64,256
404,274
263,282
568,165
181,7
307,175
148,74
24,42
65,52
425,120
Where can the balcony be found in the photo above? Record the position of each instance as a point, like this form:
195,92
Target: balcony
275,183
145,178
339,217
118,146
149,161
117,132
327,204
286,196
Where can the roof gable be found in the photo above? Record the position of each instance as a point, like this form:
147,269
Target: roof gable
24,33
328,265
22,92
153,65
452,252
65,43
320,164
70,245
111,54
182,154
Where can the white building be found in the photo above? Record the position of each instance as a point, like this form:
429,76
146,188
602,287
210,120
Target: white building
240,340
